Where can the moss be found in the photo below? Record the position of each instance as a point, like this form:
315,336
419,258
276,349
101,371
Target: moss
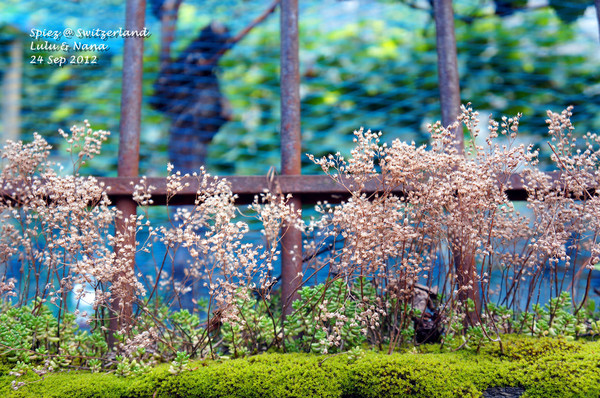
273,375
565,374
68,384
439,375
543,367
532,348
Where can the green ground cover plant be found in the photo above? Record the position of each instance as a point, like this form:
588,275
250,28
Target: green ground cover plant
543,367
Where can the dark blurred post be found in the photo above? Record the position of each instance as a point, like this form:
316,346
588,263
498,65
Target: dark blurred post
597,3
291,146
129,150
11,92
447,65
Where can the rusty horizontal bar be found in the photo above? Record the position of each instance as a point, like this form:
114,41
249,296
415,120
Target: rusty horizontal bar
310,188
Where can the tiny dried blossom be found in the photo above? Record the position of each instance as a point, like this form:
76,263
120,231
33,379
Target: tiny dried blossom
7,287
84,142
145,339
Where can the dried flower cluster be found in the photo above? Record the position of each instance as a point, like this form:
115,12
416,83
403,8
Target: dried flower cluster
56,228
454,227
57,232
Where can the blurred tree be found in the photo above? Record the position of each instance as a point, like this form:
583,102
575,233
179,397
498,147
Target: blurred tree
187,91
570,11
505,8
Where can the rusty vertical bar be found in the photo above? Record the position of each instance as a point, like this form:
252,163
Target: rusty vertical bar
447,65
129,155
291,146
462,252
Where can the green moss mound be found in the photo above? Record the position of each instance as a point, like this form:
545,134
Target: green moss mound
543,367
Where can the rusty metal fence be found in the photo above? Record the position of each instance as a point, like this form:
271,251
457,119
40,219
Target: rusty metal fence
291,181
290,140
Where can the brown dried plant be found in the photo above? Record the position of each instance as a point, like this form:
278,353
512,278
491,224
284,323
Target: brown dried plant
56,228
438,254
454,228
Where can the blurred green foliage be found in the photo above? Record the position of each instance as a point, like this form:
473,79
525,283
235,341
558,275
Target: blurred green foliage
382,75
375,66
